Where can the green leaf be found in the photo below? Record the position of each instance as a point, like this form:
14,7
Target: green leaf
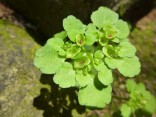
61,35
129,67
66,76
125,40
73,27
105,75
62,52
47,60
123,29
140,87
73,33
90,96
83,80
150,102
113,63
55,43
79,55
130,85
126,49
115,40
98,54
73,51
125,110
109,26
103,16
72,22
91,34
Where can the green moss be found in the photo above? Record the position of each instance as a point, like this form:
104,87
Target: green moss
15,34
19,78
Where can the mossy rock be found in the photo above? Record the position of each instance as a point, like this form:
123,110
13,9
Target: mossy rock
19,79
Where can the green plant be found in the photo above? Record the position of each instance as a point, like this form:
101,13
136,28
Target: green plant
140,98
83,56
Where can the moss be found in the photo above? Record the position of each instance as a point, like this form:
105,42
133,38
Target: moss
19,78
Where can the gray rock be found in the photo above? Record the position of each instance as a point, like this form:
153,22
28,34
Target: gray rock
19,79
47,15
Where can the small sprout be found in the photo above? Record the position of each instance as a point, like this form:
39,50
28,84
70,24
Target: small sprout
140,98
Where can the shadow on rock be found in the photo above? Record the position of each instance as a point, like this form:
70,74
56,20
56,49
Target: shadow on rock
57,102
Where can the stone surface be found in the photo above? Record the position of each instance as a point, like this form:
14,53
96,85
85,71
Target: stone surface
19,79
47,15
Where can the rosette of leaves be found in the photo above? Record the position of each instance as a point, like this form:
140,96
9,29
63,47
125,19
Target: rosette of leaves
139,98
83,56
113,32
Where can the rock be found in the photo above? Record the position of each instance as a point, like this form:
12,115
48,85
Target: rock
19,79
47,15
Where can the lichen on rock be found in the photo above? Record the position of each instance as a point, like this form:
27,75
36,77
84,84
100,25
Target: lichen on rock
19,79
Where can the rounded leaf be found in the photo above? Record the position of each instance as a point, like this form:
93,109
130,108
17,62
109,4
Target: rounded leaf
125,110
65,77
130,85
91,34
126,49
150,102
103,16
90,96
129,67
83,80
61,35
98,54
73,33
112,63
123,29
105,76
55,43
47,60
73,27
